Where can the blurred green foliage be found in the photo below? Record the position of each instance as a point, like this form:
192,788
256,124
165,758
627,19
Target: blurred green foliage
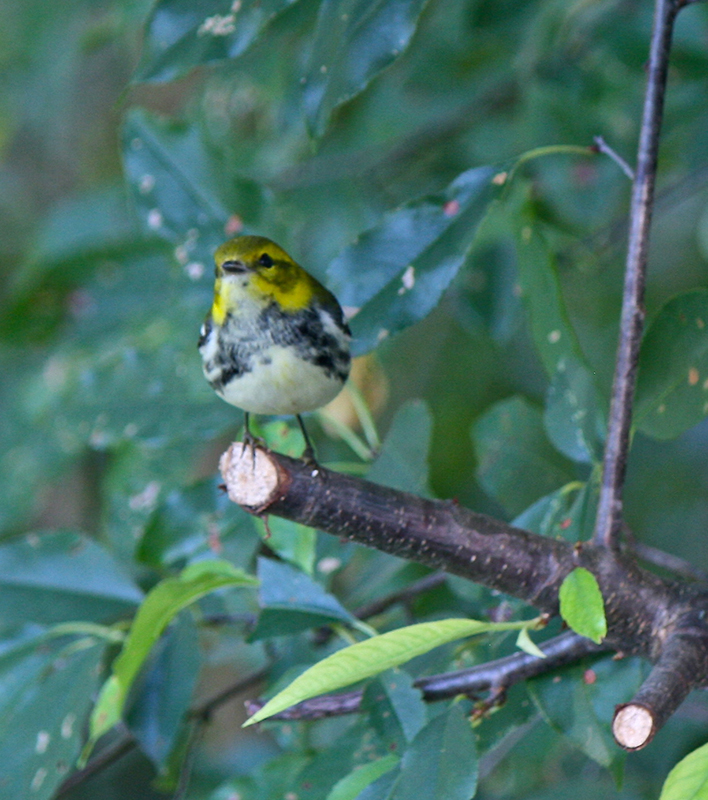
391,148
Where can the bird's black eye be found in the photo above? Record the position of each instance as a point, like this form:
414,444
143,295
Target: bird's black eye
265,260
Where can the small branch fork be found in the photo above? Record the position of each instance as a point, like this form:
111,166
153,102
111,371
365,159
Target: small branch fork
661,620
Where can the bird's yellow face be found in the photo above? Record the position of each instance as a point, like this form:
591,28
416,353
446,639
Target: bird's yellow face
256,267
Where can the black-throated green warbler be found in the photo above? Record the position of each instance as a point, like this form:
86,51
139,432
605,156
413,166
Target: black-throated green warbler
275,340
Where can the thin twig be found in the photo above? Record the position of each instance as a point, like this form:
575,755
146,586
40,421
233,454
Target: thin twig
602,147
204,711
405,595
494,676
119,747
609,515
669,562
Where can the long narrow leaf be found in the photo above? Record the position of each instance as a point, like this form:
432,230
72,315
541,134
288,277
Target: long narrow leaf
372,656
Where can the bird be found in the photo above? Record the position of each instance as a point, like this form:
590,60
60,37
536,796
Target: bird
275,340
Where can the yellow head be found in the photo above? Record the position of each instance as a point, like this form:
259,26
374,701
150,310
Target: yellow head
258,267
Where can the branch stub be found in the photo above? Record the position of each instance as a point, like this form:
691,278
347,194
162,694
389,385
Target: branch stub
633,726
253,479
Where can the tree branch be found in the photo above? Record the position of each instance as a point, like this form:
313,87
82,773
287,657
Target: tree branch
609,515
666,687
494,676
643,610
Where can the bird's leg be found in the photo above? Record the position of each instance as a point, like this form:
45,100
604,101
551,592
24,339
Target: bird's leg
308,455
249,440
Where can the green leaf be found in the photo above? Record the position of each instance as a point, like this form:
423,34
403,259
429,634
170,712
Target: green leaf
292,601
292,541
572,416
516,462
174,187
403,460
568,513
349,787
582,606
46,694
441,761
52,577
525,643
160,606
187,522
551,329
395,707
395,273
182,34
580,704
688,780
164,691
372,656
353,43
672,386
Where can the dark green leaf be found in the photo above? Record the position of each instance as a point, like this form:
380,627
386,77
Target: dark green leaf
580,704
396,708
53,577
517,464
572,417
353,43
441,761
672,387
292,601
395,273
568,513
174,187
551,329
164,693
403,460
47,690
182,34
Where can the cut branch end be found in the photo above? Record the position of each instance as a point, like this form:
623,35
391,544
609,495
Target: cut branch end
633,726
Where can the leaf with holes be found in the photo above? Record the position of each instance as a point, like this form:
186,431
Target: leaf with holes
672,386
182,34
395,274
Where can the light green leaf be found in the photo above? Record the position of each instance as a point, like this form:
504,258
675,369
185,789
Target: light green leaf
582,606
688,780
349,787
160,606
375,655
672,386
525,643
